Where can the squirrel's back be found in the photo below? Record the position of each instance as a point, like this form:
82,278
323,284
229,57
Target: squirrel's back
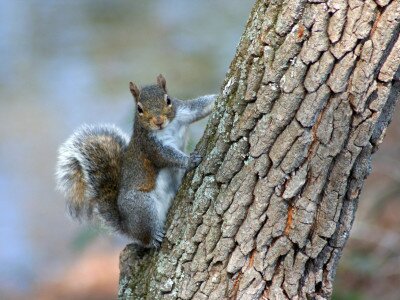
88,172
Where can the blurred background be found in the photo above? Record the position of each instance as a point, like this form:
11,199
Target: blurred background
65,63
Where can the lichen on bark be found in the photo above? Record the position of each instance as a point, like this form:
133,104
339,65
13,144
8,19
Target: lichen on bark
305,103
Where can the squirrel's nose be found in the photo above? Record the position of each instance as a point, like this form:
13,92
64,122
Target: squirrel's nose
158,121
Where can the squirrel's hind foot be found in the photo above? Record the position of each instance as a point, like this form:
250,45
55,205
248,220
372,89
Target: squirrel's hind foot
157,238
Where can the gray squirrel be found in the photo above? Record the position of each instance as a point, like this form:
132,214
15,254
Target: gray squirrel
129,184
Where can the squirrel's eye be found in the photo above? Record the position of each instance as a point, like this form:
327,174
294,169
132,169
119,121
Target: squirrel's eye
140,109
168,101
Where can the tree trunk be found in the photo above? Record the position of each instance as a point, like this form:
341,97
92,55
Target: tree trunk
306,101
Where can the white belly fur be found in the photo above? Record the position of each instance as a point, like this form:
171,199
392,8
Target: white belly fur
169,179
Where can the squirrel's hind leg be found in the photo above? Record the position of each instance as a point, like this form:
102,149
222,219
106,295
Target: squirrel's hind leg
139,219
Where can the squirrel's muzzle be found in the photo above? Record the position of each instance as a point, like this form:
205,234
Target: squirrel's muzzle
158,121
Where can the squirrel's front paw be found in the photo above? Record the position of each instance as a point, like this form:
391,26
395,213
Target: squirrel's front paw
194,161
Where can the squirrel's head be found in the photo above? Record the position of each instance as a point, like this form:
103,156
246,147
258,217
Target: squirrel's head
154,108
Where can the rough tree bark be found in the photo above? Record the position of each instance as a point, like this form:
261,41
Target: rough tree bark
305,103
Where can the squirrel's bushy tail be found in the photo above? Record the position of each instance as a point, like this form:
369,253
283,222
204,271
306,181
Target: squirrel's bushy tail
88,172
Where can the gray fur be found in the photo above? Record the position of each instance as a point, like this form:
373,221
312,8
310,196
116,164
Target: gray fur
130,186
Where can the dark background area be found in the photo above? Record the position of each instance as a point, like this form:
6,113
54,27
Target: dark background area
65,63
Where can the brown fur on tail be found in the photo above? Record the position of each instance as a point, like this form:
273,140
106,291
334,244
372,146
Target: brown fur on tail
88,172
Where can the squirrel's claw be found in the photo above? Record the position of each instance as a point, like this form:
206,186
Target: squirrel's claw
158,238
194,160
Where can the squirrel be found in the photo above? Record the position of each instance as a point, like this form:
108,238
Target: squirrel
128,184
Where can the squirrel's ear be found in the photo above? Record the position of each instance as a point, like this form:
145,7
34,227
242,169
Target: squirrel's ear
162,82
134,90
